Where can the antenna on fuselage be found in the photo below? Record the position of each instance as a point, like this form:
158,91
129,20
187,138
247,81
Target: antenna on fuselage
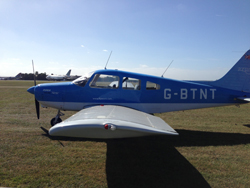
167,68
108,60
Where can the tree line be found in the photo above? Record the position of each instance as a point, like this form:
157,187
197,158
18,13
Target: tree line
30,76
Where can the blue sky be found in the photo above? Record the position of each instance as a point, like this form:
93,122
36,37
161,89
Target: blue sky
204,38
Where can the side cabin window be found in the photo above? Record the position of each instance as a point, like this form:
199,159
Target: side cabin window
131,83
152,86
105,81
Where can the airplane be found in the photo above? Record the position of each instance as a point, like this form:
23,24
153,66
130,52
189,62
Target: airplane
119,104
17,77
59,77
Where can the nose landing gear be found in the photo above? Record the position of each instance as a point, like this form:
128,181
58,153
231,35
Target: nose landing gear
56,119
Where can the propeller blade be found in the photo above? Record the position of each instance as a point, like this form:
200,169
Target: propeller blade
37,108
36,101
34,73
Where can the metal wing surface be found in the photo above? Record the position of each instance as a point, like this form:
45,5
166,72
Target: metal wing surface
111,121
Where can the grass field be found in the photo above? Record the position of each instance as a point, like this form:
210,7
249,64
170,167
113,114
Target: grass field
212,150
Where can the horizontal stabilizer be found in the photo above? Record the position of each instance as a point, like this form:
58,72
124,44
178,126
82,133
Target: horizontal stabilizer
111,121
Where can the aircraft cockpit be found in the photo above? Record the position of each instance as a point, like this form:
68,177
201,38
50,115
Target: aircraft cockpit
108,81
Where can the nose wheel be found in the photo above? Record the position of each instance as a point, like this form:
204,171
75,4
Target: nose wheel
56,119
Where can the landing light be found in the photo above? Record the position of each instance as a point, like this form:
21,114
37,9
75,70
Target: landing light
109,126
106,126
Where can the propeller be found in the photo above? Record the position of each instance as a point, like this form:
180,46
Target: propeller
36,101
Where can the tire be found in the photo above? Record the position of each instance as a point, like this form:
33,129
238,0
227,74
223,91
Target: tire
52,122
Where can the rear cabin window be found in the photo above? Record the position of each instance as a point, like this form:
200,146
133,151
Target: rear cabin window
105,81
131,83
152,86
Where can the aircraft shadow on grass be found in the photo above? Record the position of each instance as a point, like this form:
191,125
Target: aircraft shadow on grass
154,161
149,163
247,125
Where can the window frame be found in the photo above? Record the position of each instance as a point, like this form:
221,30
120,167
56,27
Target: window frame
97,79
129,80
155,87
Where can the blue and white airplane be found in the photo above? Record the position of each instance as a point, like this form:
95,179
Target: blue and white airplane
59,77
119,104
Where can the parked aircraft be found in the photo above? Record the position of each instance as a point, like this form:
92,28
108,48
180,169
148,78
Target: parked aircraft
17,77
118,104
59,77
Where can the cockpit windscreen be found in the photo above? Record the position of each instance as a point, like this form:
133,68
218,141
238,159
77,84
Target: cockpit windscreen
83,80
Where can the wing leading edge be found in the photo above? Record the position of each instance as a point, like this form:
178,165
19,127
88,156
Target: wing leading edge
111,121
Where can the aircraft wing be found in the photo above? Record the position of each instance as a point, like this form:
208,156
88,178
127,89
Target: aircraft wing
111,121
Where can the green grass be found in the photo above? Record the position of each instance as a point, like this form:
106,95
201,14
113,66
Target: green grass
21,82
212,150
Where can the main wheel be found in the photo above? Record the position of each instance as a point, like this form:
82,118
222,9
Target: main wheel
53,122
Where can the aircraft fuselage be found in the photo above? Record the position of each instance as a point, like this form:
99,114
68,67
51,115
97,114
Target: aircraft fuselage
145,93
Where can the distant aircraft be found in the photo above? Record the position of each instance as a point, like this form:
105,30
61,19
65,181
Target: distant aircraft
119,104
59,77
17,77
73,77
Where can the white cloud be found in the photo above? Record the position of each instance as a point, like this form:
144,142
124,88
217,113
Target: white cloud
104,50
82,46
143,66
54,63
12,66
15,59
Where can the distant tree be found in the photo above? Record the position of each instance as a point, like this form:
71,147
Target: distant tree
30,76
41,76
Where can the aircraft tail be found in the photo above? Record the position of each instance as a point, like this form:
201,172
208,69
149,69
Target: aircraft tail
238,77
68,73
18,76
